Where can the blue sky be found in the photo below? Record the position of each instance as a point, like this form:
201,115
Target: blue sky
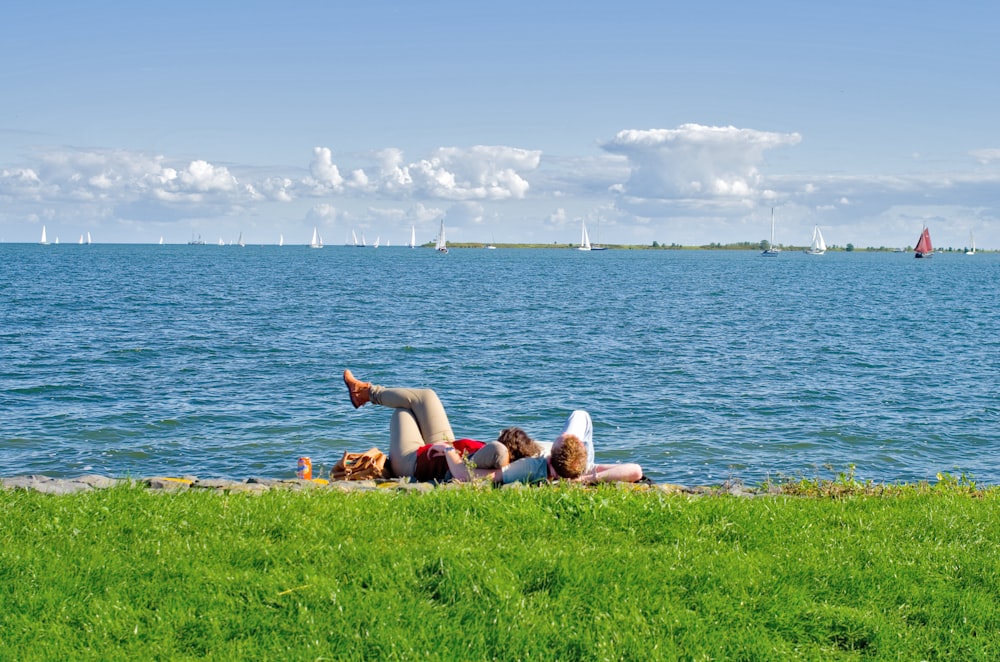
514,122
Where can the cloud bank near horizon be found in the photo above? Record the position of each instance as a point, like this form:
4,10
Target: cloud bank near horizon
682,178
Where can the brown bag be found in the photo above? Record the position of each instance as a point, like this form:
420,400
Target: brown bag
359,466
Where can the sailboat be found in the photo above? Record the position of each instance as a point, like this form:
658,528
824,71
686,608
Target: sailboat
317,241
239,241
442,243
88,238
492,245
972,241
598,247
44,241
378,240
924,248
584,238
413,237
81,240
281,240
818,246
771,250
161,240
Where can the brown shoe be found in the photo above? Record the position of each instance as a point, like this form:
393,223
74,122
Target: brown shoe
359,391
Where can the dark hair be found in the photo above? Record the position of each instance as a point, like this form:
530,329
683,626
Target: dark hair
519,444
569,459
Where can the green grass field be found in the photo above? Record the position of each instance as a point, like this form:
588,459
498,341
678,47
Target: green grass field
529,574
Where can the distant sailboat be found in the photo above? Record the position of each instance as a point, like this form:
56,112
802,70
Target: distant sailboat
442,243
44,241
491,246
161,240
88,238
924,248
377,240
317,241
281,240
354,239
772,250
598,247
818,246
239,242
584,238
221,243
972,242
81,240
413,237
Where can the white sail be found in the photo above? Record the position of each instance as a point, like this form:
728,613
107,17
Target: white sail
88,238
354,238
378,240
161,240
81,240
281,240
771,250
442,243
584,238
972,243
818,245
413,236
317,241
44,241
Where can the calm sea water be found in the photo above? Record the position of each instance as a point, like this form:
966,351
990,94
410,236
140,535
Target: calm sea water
700,365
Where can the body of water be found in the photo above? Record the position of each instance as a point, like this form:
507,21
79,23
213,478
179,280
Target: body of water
700,365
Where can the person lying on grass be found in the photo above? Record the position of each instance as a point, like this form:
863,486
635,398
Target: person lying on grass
419,420
419,424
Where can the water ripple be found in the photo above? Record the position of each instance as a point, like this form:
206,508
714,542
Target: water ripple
699,365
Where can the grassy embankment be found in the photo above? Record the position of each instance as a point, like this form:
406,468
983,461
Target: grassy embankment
858,572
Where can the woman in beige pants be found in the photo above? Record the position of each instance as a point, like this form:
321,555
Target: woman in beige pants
418,419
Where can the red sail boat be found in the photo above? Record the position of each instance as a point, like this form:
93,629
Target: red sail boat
924,248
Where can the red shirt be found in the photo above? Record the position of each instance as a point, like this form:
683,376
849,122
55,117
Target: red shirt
436,468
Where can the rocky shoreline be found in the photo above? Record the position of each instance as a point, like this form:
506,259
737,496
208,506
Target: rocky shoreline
90,482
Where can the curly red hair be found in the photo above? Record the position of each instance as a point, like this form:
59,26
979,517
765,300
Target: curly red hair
569,458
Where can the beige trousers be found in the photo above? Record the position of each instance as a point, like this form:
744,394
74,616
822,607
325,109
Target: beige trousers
418,419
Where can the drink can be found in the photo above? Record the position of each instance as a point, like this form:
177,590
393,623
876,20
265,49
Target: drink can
305,471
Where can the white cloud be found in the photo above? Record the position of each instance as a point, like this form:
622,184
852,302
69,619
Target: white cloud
203,176
324,212
324,170
693,184
449,173
281,189
694,161
986,156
